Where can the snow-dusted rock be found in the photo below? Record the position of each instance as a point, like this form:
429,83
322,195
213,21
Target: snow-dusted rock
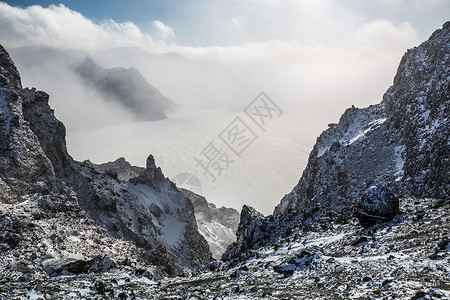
407,258
150,174
377,205
124,169
401,142
24,167
256,230
147,209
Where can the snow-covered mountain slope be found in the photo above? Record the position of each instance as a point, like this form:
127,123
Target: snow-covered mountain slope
128,88
147,209
403,142
407,258
217,225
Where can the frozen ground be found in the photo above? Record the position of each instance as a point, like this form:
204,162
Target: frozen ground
407,258
266,170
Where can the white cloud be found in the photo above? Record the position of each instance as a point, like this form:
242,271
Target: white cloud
60,26
162,31
384,34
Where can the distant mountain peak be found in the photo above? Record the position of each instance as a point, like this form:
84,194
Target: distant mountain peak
126,87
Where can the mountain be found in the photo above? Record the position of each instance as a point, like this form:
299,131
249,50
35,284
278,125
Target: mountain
403,259
403,142
127,87
391,243
41,184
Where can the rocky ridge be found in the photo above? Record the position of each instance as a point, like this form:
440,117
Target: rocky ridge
316,248
401,142
36,169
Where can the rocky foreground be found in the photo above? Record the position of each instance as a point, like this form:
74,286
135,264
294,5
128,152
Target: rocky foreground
407,258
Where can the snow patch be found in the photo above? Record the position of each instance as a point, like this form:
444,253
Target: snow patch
171,227
360,133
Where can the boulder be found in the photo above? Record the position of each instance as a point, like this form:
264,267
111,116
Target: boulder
377,205
69,266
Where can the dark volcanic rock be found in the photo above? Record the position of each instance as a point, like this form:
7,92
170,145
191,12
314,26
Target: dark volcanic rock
50,131
24,167
256,231
9,76
377,205
124,169
67,266
249,224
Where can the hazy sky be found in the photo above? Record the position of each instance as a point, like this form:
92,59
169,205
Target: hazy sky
234,22
291,48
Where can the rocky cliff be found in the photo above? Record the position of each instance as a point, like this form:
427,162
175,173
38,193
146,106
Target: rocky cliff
24,166
403,142
40,183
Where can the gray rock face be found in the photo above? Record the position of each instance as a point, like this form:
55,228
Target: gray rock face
9,76
148,214
256,231
377,205
128,88
21,171
49,130
217,225
124,169
402,142
150,174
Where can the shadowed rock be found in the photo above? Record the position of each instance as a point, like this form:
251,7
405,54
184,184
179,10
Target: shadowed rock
377,205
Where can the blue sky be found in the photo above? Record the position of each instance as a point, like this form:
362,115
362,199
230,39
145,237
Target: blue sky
138,11
233,22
